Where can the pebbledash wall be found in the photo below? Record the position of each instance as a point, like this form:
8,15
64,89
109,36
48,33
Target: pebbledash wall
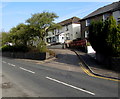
70,30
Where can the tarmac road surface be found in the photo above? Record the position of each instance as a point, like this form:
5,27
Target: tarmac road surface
42,81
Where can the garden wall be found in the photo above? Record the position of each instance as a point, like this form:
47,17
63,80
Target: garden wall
109,62
21,55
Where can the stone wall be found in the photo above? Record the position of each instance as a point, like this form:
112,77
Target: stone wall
109,62
21,55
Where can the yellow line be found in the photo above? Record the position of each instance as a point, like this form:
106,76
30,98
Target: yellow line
90,74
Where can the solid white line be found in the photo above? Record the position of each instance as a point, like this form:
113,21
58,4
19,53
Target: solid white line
9,64
13,65
27,70
70,86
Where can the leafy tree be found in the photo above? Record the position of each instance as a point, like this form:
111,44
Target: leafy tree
113,36
42,23
5,37
105,37
21,34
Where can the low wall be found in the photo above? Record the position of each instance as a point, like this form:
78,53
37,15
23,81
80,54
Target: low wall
109,62
115,63
34,56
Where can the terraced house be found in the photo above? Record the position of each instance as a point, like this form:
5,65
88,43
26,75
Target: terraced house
100,14
70,30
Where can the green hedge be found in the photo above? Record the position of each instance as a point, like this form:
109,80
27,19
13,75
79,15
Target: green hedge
104,37
15,48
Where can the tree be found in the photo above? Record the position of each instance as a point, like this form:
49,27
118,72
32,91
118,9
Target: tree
42,23
105,37
5,37
21,34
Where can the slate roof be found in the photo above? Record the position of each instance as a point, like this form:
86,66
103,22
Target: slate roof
111,7
70,21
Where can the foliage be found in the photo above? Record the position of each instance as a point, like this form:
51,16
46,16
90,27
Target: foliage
88,44
42,23
105,37
51,53
5,37
14,48
21,34
42,46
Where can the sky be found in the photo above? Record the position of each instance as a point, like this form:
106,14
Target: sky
14,13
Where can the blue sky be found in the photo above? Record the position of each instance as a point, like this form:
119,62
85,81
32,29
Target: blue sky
14,13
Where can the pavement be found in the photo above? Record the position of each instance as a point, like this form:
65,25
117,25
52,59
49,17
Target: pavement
94,67
68,57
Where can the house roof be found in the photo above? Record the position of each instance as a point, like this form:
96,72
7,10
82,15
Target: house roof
70,21
111,7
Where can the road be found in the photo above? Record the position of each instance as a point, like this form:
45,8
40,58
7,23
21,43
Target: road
42,81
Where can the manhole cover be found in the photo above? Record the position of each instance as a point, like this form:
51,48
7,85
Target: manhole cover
6,85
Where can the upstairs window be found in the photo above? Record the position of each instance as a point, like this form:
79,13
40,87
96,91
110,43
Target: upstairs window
86,34
105,16
66,27
58,30
87,22
118,20
55,31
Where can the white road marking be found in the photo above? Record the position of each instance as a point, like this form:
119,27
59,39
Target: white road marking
11,64
70,86
27,70
4,62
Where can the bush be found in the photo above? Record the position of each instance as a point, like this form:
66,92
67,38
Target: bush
15,48
6,48
42,47
51,53
105,37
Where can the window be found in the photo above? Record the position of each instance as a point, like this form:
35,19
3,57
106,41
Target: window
54,39
87,22
86,34
105,16
67,36
118,20
66,27
58,30
55,31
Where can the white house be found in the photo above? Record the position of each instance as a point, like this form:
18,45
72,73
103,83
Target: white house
70,30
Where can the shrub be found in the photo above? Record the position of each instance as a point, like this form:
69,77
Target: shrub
105,37
6,48
51,53
15,48
42,46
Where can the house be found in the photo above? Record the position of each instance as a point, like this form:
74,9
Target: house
100,14
70,30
